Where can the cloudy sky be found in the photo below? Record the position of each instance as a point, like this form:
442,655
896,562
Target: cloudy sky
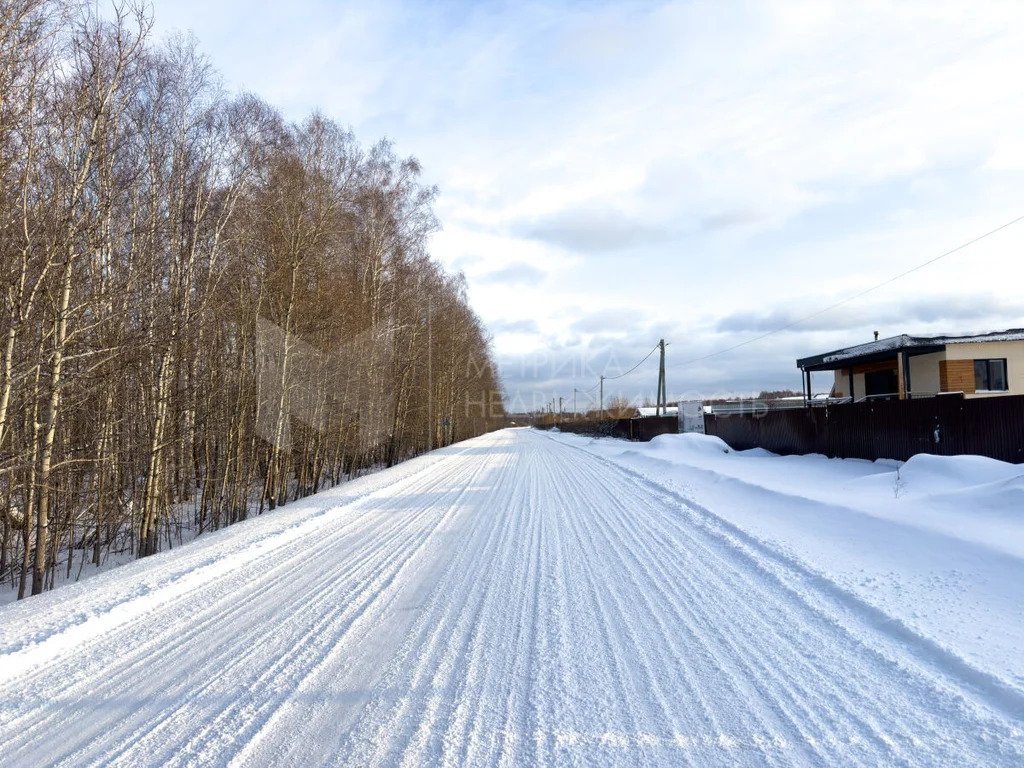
704,171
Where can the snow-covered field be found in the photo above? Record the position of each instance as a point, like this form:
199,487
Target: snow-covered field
527,598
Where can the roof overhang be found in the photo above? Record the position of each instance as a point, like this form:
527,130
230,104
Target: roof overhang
887,349
833,361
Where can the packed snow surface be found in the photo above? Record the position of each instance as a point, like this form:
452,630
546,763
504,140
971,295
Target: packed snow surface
535,599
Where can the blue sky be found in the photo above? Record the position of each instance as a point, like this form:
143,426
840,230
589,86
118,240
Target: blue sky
614,173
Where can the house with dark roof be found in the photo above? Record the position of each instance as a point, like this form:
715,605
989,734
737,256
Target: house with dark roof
904,367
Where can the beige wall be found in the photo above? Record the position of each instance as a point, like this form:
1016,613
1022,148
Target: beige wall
1013,351
924,373
843,384
924,369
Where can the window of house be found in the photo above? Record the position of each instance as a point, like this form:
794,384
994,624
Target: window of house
990,375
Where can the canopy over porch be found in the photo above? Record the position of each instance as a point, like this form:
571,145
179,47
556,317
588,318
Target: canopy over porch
885,364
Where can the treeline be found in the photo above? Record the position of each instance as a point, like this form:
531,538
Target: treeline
207,311
615,408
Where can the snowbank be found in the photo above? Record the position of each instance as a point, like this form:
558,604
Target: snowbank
692,443
926,474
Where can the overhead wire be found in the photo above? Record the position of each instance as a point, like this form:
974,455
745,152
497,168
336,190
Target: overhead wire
847,300
622,375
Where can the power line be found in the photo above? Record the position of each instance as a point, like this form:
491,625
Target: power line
622,375
847,300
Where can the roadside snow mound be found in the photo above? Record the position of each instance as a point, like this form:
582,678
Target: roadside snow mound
1001,500
925,474
758,453
690,443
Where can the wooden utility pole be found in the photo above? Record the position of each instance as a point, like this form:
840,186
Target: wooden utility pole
662,390
559,410
574,413
602,397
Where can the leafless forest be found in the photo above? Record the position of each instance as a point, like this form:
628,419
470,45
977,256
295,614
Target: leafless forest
207,311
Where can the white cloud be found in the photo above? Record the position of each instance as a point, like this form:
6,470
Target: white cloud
737,155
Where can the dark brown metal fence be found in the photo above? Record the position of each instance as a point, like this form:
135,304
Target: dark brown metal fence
947,425
640,430
649,428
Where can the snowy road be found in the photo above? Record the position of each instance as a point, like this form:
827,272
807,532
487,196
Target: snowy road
513,600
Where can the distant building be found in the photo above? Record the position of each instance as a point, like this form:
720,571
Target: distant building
981,365
647,412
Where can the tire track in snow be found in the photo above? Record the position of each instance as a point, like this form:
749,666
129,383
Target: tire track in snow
330,632
513,601
731,549
726,558
676,588
620,642
321,632
283,722
436,675
631,557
